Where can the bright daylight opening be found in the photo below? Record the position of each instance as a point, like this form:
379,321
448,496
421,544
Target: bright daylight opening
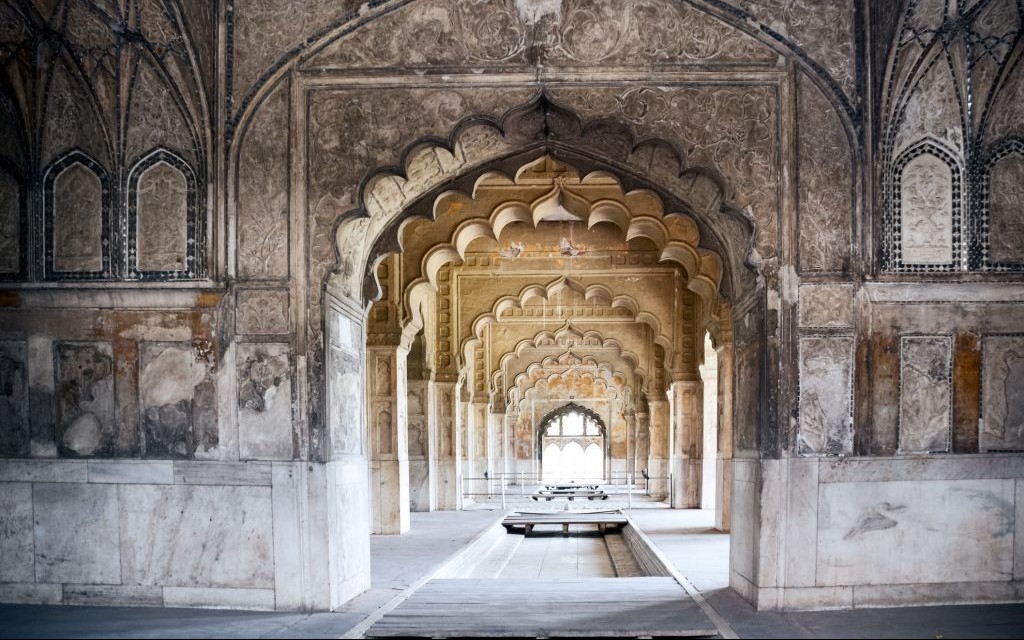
573,446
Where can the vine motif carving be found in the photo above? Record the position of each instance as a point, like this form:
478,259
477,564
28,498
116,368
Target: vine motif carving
925,394
263,312
926,209
10,223
263,192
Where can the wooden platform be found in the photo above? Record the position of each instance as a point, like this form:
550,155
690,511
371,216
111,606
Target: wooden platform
616,607
528,521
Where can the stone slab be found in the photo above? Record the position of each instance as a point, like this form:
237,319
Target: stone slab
16,545
801,523
212,598
931,467
110,595
915,532
43,471
131,471
201,536
223,473
911,595
76,533
30,593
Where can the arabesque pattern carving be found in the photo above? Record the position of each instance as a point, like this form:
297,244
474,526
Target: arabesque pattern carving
825,184
826,374
162,209
926,393
263,191
1002,402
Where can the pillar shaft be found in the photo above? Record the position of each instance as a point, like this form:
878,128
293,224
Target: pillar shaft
442,409
389,441
687,403
658,456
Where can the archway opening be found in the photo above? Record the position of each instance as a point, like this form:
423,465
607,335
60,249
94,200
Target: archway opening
572,447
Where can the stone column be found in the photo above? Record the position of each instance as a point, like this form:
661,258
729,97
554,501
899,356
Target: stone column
687,443
642,455
723,484
631,446
422,443
389,441
340,485
476,448
496,445
709,379
659,451
442,409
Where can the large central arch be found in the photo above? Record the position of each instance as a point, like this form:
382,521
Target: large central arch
360,239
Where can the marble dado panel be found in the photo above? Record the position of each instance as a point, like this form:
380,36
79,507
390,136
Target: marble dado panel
168,551
826,306
265,429
926,393
893,533
826,377
15,431
263,312
1002,404
17,547
77,538
85,399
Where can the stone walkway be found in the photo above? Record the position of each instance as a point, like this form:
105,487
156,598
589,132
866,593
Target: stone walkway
685,537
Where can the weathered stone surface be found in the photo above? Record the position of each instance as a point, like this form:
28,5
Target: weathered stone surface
926,211
263,312
264,402
162,210
222,473
826,373
262,209
85,398
10,224
933,111
71,119
966,392
16,537
169,375
218,537
254,599
824,31
77,537
1006,202
863,529
345,373
826,305
131,471
925,393
43,471
109,595
825,184
504,33
154,117
1002,403
14,406
77,220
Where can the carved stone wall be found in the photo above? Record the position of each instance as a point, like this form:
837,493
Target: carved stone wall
1002,403
14,399
925,394
826,375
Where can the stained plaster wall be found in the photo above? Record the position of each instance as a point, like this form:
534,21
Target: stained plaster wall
832,453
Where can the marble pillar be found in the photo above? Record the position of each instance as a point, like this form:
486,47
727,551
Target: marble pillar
658,468
422,442
687,403
724,471
441,410
477,449
389,439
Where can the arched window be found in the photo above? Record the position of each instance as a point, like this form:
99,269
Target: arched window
573,446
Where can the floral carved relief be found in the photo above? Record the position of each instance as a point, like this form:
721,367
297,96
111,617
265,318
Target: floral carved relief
263,191
926,211
77,220
162,210
925,393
